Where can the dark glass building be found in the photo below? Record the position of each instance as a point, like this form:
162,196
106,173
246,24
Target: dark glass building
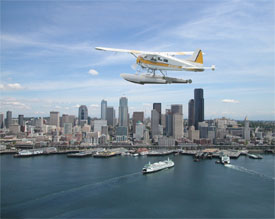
199,106
157,107
191,113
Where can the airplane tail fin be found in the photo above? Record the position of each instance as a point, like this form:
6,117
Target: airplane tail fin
197,56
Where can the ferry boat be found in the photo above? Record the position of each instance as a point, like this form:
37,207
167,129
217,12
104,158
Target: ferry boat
150,168
225,159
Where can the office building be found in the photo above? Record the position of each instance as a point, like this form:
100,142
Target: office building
104,110
98,125
67,128
123,112
82,115
71,119
64,119
157,107
8,119
154,122
110,116
177,126
246,130
139,133
137,116
191,113
176,109
169,123
203,128
21,120
121,133
193,134
39,122
199,106
1,120
54,119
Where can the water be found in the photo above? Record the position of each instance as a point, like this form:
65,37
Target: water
60,187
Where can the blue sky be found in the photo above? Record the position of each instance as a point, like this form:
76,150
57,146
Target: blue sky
47,52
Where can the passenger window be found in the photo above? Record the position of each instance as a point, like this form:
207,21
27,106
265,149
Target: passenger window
165,60
160,59
153,59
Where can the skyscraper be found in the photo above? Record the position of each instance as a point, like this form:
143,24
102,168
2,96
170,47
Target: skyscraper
54,119
64,119
176,109
177,126
169,123
137,116
1,120
21,120
110,116
82,114
8,119
154,122
199,106
191,113
157,107
246,130
103,110
123,112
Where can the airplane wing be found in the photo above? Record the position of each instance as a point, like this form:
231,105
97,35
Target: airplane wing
143,52
121,50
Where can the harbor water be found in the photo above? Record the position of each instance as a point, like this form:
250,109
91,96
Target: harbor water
59,187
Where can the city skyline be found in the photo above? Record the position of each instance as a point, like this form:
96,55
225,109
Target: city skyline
49,63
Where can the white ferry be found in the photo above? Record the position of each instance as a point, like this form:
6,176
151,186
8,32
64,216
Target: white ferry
150,168
225,159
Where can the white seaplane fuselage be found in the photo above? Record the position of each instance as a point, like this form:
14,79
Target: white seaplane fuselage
167,63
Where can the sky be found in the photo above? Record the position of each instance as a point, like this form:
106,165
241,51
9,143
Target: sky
49,61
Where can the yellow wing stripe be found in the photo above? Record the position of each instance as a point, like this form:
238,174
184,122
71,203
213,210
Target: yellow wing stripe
141,60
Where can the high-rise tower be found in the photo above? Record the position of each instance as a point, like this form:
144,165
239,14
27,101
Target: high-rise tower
54,119
123,112
199,106
8,119
157,107
104,110
191,113
246,130
82,114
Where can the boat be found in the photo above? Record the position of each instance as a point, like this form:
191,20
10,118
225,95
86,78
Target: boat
225,159
150,168
253,156
104,154
80,154
159,153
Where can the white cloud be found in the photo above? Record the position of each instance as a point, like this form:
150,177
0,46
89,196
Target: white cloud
15,86
230,101
13,103
94,105
93,72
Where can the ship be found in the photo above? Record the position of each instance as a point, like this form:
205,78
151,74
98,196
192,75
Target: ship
150,168
104,154
225,159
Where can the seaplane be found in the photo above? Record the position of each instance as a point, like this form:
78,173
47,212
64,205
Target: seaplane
162,62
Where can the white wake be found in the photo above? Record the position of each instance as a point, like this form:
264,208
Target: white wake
245,170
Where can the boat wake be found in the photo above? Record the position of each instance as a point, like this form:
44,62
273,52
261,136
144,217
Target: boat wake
244,170
97,185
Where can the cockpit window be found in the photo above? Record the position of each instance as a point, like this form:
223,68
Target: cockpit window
153,59
160,59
